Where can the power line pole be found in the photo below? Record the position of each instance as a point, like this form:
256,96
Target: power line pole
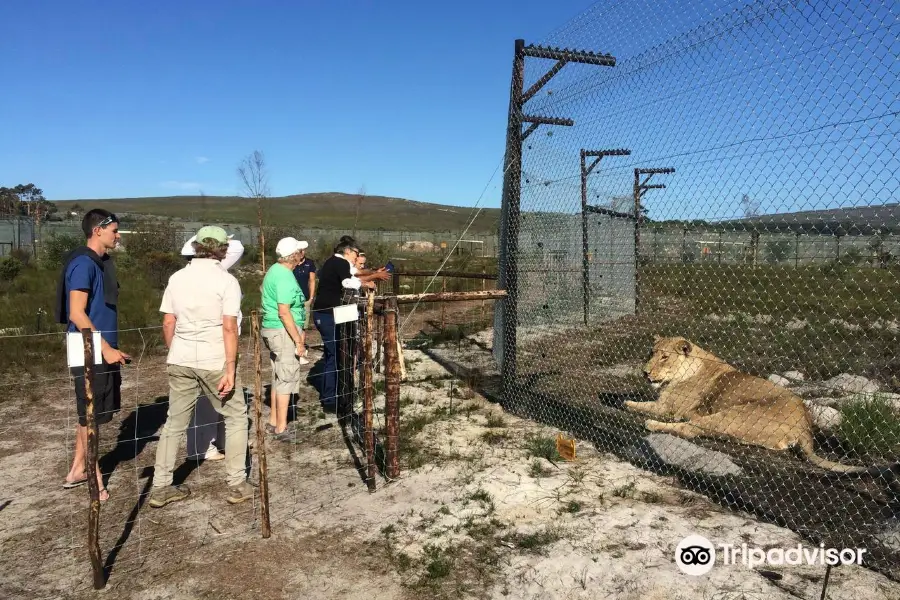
585,259
509,230
640,188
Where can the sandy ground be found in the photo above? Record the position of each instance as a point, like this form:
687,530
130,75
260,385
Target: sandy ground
473,515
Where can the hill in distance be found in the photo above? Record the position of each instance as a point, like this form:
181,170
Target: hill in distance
329,210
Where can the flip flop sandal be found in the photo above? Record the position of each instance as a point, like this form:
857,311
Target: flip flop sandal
68,485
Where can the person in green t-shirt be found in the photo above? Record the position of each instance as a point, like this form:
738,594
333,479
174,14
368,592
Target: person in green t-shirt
282,330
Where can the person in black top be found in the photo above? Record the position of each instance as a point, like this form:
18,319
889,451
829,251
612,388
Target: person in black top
336,275
305,273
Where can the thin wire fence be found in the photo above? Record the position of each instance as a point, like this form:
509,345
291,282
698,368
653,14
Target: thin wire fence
316,464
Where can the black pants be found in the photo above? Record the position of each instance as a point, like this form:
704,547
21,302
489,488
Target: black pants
206,425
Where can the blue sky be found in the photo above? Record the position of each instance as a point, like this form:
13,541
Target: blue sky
158,98
793,104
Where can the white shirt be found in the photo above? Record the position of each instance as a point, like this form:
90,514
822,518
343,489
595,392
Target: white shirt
352,282
232,256
199,296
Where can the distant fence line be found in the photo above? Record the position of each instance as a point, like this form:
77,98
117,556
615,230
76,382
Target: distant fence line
687,245
20,234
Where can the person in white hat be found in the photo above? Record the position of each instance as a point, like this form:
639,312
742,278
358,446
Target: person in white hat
283,315
206,431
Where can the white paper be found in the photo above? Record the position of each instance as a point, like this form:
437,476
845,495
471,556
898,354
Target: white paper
75,348
345,313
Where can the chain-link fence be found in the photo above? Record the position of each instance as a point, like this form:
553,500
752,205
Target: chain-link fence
698,244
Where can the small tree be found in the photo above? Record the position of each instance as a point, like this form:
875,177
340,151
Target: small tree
750,206
255,184
359,199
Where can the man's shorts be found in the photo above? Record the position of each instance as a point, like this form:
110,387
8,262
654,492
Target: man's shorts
285,362
106,390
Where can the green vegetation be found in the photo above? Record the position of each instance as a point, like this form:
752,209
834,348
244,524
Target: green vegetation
26,307
538,470
494,438
319,210
438,562
822,321
840,292
870,427
495,419
537,540
542,447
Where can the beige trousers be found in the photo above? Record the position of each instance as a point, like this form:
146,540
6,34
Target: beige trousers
186,384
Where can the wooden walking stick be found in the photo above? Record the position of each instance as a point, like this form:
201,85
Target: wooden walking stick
260,434
91,468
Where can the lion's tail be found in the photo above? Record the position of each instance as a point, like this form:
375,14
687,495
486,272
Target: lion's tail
806,447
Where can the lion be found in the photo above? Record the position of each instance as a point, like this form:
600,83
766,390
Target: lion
714,399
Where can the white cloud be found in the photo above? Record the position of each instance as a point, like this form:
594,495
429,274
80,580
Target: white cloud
201,159
180,185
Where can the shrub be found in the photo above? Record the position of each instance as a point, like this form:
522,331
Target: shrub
23,254
153,237
778,250
159,266
10,267
250,256
852,256
870,427
58,245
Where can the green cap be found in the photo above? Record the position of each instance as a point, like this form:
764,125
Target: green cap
212,232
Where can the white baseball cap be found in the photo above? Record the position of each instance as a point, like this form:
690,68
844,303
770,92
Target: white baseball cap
287,246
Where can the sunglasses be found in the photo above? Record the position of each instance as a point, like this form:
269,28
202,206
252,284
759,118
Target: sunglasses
110,219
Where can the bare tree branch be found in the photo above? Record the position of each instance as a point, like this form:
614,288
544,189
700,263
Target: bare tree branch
254,179
359,199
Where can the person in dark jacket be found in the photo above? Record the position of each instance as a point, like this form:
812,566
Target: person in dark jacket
336,275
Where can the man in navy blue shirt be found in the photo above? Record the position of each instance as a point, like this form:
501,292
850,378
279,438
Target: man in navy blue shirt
89,297
305,273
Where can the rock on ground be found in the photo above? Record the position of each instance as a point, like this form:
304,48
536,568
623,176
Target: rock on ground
688,455
824,417
853,384
779,380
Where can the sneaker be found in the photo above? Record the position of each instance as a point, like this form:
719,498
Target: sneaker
213,453
172,493
288,435
241,492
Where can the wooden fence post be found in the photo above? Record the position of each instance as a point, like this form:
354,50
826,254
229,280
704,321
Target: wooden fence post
369,394
483,287
266,526
379,339
392,390
443,312
91,467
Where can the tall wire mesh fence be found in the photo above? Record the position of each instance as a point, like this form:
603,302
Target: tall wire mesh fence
699,247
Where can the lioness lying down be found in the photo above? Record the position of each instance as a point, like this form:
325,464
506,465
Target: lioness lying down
716,400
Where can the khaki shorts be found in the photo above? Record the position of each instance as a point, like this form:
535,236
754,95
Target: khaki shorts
285,363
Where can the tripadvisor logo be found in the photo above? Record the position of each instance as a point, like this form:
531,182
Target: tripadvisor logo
696,555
